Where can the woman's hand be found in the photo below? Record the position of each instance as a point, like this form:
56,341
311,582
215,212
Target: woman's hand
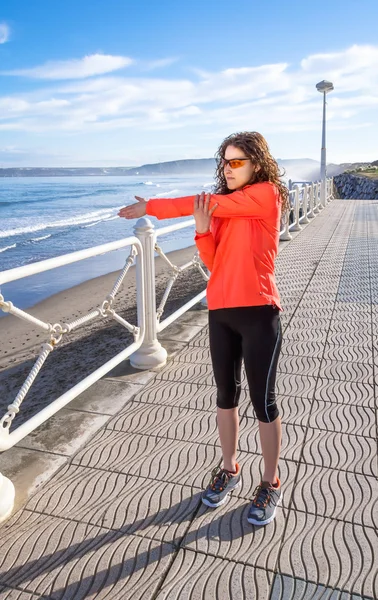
134,211
201,212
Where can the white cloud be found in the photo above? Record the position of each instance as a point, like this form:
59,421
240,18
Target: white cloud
274,98
347,61
89,66
4,33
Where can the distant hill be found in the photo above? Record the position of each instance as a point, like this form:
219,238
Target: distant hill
194,166
61,171
176,167
333,170
301,169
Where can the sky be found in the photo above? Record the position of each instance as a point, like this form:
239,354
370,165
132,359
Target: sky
126,82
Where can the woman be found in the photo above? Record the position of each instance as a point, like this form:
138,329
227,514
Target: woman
237,235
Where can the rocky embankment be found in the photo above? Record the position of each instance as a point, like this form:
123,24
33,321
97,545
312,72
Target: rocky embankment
354,186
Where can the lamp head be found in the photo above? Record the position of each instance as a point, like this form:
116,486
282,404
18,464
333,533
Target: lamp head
324,86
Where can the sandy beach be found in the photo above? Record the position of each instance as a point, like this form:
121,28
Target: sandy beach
86,348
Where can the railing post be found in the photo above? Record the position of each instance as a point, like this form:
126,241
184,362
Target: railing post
331,189
328,191
316,197
7,494
151,353
305,219
286,236
296,225
311,214
320,186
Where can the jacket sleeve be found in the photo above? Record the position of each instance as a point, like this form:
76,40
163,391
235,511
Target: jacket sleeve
206,247
169,208
256,201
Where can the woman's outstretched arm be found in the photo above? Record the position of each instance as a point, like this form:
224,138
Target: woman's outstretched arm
256,201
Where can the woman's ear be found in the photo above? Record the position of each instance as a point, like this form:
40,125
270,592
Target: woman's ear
257,168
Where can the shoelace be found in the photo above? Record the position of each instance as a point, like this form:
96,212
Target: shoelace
219,479
262,496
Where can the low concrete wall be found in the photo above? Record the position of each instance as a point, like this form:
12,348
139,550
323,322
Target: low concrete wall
353,186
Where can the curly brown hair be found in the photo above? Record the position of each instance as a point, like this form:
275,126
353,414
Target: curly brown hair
255,146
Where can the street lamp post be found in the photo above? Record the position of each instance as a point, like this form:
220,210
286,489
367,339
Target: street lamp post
323,87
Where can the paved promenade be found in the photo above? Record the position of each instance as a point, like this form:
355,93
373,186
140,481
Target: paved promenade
121,518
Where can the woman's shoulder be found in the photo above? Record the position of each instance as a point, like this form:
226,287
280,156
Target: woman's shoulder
262,185
266,188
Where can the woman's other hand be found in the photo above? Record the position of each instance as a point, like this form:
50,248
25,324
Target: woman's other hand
134,211
202,213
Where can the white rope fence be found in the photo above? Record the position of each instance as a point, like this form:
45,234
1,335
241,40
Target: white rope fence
58,332
175,272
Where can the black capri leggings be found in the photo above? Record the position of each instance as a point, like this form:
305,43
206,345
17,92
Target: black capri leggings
252,333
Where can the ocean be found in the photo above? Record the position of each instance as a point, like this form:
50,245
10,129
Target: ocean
45,217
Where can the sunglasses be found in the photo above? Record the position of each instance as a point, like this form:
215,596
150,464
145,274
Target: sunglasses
235,163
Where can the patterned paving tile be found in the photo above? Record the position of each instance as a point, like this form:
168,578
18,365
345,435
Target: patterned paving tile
345,392
311,308
348,338
167,421
353,326
194,373
338,494
348,353
118,451
309,365
341,451
145,507
195,354
348,315
330,552
306,335
196,575
309,322
295,385
202,339
62,559
302,348
289,588
356,420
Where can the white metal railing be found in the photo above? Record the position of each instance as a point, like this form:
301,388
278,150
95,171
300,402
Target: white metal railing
145,351
305,204
56,332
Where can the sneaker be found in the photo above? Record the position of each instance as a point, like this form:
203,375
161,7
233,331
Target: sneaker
264,504
222,482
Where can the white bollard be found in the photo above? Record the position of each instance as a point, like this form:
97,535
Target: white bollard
151,354
7,494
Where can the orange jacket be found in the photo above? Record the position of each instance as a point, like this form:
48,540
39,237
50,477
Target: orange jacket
241,247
